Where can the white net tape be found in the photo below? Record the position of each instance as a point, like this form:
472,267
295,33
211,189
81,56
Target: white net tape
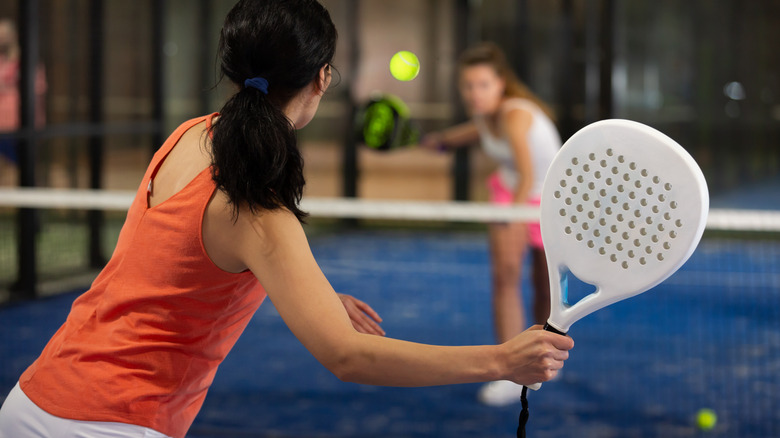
719,219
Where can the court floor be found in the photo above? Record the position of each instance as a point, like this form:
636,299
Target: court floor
707,337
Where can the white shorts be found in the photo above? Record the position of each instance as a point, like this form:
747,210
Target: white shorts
21,418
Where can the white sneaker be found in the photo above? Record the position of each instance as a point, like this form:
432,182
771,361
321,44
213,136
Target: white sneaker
500,393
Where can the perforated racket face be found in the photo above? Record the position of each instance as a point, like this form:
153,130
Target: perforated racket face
623,207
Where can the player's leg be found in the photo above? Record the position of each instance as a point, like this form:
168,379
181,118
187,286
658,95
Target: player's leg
507,246
540,279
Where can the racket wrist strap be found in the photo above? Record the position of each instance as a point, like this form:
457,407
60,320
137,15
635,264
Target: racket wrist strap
523,420
523,413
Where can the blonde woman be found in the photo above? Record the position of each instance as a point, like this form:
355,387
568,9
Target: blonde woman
516,130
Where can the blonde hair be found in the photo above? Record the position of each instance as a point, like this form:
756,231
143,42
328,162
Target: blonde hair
490,54
13,44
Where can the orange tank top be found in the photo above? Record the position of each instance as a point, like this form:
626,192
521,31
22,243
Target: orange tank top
142,345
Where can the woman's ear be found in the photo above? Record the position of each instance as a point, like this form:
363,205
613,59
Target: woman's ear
324,78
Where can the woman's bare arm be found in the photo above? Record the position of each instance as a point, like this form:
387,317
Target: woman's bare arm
274,247
457,136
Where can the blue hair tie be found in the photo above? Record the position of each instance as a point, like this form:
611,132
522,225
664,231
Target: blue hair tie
258,83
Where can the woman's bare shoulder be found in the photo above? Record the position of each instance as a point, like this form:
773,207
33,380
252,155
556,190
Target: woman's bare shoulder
241,232
515,116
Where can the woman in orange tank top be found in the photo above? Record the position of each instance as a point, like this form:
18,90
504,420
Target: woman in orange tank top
215,216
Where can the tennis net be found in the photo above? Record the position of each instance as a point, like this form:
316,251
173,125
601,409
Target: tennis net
348,208
69,242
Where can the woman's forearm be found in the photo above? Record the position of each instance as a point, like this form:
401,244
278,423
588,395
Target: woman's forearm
530,357
390,362
460,135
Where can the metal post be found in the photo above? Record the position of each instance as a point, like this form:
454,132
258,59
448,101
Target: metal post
76,20
568,75
523,44
432,46
27,219
593,57
158,70
95,218
205,57
607,59
350,171
464,30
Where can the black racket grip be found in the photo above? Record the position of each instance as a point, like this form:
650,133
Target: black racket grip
550,328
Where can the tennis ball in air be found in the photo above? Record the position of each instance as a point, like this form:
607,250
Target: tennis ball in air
404,66
706,419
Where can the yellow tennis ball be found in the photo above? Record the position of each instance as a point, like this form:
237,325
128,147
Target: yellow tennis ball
706,419
404,66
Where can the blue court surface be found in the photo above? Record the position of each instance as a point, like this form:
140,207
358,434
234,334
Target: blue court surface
707,337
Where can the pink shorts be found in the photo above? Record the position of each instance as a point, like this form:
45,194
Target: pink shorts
500,194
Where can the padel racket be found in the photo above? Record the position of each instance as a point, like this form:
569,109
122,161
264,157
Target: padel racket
623,207
384,124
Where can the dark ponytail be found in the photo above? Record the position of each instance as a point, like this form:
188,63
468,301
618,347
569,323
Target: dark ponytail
256,160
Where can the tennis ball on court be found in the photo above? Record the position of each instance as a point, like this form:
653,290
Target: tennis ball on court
706,419
404,66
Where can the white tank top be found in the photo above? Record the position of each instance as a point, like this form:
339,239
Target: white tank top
543,141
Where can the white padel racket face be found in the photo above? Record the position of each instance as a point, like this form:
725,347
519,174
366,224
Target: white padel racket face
623,207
